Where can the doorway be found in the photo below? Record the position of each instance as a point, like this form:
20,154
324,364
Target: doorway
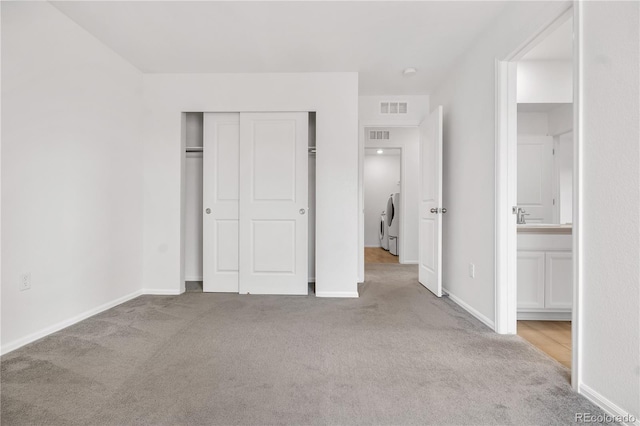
382,211
390,183
537,170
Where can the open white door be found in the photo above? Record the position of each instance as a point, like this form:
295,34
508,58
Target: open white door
273,203
221,164
431,210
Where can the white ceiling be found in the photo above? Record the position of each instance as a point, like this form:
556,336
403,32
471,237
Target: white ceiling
557,46
376,39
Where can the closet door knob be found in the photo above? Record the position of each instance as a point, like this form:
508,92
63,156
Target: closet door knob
302,211
208,211
434,210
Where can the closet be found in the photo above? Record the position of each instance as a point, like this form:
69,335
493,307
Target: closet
247,204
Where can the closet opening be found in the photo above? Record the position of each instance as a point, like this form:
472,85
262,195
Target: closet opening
248,202
312,202
193,208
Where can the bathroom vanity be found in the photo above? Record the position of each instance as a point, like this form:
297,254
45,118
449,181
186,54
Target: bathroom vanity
545,270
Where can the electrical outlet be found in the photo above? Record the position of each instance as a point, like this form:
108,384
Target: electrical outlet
472,270
25,282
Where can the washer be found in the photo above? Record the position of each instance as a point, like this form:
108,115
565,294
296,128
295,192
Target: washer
393,221
383,233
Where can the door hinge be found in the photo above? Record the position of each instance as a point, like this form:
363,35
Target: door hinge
553,151
554,201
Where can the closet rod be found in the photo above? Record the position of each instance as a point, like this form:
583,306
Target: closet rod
194,149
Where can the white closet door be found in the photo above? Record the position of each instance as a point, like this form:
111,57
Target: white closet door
273,203
221,163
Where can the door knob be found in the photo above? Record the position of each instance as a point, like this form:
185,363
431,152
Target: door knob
434,210
208,211
443,210
302,211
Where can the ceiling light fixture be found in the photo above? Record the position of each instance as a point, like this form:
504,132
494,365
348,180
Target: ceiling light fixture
409,72
379,151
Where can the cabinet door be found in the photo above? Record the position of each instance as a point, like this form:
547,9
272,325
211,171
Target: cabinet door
559,280
531,279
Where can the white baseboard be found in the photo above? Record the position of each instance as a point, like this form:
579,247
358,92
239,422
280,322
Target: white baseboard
11,346
160,292
608,407
410,262
373,246
193,278
544,316
464,305
337,294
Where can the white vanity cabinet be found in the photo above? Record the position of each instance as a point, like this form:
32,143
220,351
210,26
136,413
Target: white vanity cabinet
545,285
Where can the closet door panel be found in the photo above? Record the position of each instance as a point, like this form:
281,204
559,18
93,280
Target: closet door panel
221,164
273,203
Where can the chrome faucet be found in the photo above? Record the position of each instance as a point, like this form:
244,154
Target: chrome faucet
521,213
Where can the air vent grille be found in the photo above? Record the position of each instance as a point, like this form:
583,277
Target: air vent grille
378,134
394,108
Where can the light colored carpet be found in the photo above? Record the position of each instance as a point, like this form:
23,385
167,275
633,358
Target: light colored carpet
396,355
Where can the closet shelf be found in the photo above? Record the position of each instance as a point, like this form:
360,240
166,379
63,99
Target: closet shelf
194,149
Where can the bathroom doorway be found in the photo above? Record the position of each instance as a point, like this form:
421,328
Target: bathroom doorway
536,241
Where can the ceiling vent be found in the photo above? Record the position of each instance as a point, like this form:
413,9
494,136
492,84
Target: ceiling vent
378,134
393,108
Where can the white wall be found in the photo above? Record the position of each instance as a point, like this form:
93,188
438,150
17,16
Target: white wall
71,173
369,115
545,81
533,123
333,96
555,121
468,96
611,204
381,178
561,119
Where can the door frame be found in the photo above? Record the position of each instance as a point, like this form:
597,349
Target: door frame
402,193
362,137
506,190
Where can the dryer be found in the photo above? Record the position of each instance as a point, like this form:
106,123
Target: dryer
393,222
383,233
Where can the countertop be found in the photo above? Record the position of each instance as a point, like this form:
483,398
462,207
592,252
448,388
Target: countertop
544,228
